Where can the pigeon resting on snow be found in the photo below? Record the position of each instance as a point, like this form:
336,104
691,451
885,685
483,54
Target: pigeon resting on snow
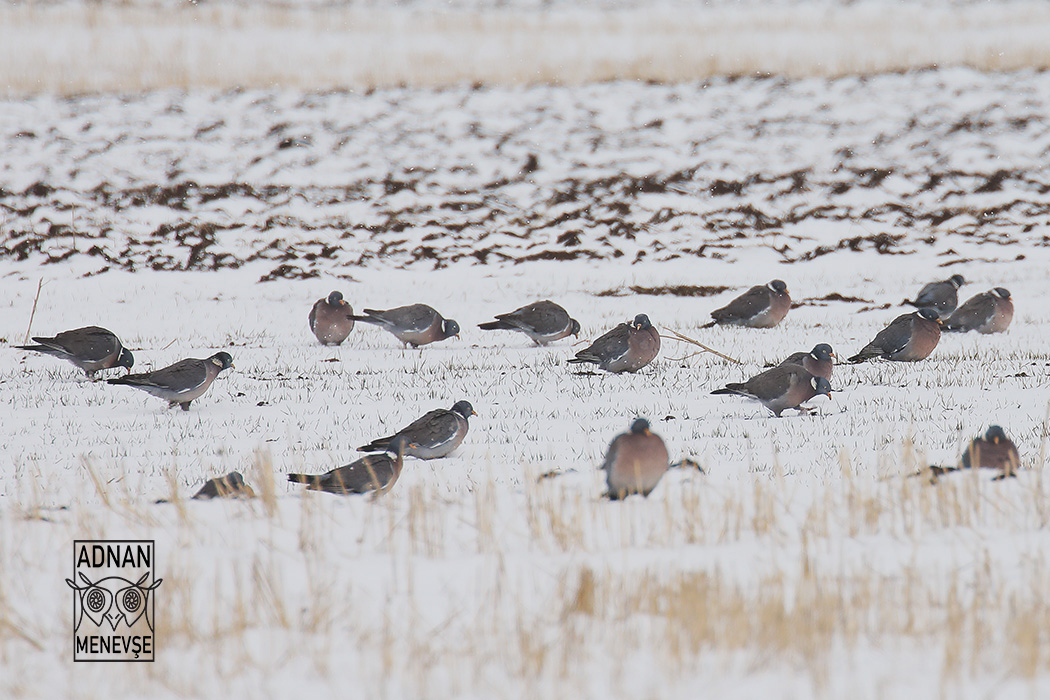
434,435
940,296
759,307
332,319
626,348
820,361
230,486
993,451
909,338
989,312
372,473
635,461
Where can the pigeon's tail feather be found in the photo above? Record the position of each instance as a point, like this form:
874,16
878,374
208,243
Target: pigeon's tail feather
47,350
496,326
380,445
865,355
311,480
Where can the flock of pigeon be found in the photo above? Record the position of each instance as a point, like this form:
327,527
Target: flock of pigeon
635,460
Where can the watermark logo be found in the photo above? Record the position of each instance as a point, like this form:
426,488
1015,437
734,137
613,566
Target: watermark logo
114,596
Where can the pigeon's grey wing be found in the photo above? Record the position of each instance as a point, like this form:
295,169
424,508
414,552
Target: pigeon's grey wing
91,343
771,383
542,317
313,316
933,294
434,428
184,375
417,317
974,313
369,473
895,336
796,359
752,302
614,344
612,453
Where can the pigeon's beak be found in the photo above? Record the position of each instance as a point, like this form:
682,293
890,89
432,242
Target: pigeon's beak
995,440
473,412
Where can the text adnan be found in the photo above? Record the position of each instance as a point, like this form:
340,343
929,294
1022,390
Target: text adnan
114,555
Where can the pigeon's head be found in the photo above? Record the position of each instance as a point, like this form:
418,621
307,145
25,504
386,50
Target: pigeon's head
449,328
821,386
223,360
1001,292
822,352
464,409
929,314
995,435
574,327
335,298
640,426
778,286
956,281
125,359
641,322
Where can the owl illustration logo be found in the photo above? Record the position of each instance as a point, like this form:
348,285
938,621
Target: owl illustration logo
112,599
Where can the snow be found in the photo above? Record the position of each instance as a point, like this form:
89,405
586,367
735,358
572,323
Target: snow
805,560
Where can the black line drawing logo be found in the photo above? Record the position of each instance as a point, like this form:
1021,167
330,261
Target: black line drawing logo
114,600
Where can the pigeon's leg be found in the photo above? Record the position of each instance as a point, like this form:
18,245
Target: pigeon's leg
185,406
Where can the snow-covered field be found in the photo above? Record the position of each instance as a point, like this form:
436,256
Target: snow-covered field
803,561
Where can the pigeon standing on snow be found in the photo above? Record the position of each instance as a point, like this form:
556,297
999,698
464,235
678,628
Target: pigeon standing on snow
626,348
820,361
434,435
332,319
993,451
784,386
543,321
758,307
179,384
909,338
635,461
91,349
378,473
415,325
988,312
942,296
